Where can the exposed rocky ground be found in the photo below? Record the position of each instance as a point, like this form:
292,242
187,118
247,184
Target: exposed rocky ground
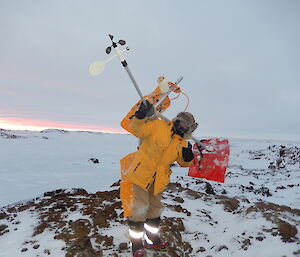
269,174
86,223
256,212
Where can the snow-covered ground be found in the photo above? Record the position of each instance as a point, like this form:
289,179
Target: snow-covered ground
268,171
250,175
34,162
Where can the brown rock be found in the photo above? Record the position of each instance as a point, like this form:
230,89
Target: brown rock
178,199
40,228
209,189
73,208
201,249
94,160
222,247
107,241
230,204
193,194
259,238
3,227
173,224
246,243
175,187
123,246
81,228
3,215
287,231
116,184
83,249
12,210
55,192
297,253
46,251
178,208
100,221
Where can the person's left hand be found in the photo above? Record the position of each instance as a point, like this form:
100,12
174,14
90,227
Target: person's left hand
187,153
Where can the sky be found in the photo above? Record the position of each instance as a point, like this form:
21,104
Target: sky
240,61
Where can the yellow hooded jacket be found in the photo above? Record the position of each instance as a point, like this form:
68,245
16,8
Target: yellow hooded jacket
159,148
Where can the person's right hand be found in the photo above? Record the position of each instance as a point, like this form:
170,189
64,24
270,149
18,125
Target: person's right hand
144,110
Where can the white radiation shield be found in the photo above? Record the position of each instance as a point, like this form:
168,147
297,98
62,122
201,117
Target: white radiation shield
96,68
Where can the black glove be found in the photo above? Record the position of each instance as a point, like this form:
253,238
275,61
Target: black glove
144,110
187,153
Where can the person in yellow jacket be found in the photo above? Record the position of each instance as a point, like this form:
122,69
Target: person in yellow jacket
161,144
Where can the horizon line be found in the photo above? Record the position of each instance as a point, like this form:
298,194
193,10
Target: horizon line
18,124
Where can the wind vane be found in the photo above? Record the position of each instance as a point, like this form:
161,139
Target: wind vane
97,67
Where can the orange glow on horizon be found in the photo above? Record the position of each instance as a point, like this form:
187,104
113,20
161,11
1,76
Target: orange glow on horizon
38,125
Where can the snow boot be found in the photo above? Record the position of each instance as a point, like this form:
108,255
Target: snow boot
140,253
152,237
136,234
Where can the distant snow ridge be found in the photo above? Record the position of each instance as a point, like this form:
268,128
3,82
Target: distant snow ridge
61,131
9,134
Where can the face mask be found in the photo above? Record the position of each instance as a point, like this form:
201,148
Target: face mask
179,127
193,127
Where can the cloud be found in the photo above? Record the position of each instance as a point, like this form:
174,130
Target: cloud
240,60
30,124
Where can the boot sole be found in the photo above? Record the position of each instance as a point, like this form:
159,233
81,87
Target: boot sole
155,249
